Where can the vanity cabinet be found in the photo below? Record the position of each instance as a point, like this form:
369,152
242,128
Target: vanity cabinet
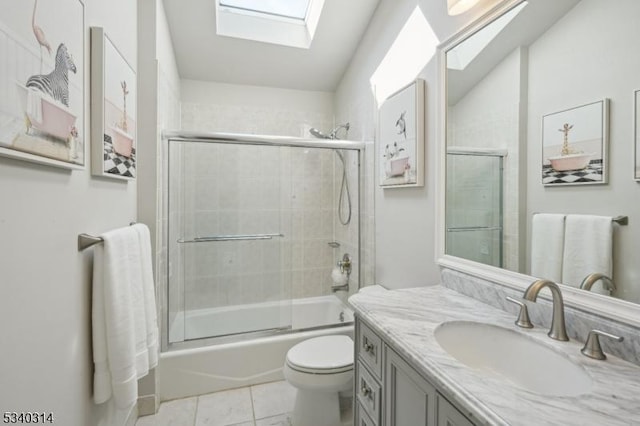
448,415
409,399
389,392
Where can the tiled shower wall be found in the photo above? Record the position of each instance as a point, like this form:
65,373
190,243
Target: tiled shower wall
259,189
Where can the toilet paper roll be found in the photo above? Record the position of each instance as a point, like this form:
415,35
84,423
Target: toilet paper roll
338,277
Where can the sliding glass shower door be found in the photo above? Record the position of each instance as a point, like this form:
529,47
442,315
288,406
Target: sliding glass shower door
474,217
225,240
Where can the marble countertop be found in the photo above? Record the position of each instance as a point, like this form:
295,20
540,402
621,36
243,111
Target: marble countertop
406,320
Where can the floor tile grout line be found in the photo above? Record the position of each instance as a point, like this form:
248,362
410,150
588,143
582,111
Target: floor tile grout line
195,412
253,409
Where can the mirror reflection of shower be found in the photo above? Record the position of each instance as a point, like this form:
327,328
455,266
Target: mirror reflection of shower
344,186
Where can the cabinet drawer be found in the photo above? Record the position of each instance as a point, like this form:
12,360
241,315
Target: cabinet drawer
362,418
370,350
368,393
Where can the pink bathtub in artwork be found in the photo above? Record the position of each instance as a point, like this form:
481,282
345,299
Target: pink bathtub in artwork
122,142
563,163
396,166
45,114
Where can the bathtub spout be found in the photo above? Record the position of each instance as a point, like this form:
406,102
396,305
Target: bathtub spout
344,287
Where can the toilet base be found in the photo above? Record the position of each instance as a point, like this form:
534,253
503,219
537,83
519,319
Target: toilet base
313,408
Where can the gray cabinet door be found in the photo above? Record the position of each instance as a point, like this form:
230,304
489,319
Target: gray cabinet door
409,399
448,415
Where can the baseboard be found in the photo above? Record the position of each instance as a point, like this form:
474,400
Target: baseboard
148,405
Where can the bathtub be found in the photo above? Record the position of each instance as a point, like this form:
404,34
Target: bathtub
205,369
53,119
122,142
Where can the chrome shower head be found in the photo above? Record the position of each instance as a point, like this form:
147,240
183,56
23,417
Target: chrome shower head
318,134
334,133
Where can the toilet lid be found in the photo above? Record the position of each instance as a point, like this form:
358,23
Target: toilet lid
322,354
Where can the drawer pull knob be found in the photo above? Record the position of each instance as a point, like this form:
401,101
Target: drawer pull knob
368,347
365,391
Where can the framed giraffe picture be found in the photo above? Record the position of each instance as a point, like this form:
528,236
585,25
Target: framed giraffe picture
401,137
574,145
42,96
113,110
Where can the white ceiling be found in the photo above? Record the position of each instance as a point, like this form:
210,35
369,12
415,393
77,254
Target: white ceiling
203,55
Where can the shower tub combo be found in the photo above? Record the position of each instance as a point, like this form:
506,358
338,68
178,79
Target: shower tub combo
229,316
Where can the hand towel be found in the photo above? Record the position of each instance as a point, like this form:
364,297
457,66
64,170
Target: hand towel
114,348
588,248
151,318
547,245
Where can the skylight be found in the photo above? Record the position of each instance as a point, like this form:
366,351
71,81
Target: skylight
290,23
462,55
296,9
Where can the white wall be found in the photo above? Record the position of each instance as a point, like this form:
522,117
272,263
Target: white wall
159,109
404,226
45,285
572,65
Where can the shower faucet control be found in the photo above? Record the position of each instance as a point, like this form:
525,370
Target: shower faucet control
345,264
340,283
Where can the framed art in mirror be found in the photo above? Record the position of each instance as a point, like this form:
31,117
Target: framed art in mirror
401,137
113,110
574,145
42,83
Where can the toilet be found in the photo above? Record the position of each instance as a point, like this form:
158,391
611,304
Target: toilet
319,368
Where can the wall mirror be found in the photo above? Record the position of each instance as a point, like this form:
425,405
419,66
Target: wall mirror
516,90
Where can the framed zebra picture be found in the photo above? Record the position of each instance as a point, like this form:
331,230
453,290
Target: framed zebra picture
42,82
113,110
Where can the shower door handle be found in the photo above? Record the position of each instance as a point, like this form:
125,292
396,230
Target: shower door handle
245,237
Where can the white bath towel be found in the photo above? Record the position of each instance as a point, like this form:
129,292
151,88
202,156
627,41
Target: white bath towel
114,340
34,105
588,248
138,304
152,340
547,245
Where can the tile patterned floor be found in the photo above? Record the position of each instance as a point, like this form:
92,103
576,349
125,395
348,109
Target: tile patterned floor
268,404
591,174
117,164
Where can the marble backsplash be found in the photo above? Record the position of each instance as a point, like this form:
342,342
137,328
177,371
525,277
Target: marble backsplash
578,323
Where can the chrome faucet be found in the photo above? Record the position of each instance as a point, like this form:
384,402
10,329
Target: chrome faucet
591,279
558,330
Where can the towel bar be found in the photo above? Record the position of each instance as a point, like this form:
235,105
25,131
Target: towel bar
85,240
620,220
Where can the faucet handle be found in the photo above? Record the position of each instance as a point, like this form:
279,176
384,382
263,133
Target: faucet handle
592,347
523,317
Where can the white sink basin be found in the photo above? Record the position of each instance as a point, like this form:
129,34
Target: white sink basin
514,356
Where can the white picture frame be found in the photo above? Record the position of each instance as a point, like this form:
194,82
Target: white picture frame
42,83
113,110
636,135
575,145
401,136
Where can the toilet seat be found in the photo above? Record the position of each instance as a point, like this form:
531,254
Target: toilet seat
322,355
